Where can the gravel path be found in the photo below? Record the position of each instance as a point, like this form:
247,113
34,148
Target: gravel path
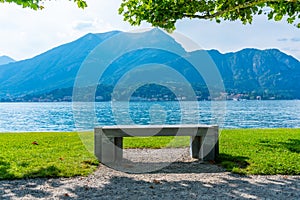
184,179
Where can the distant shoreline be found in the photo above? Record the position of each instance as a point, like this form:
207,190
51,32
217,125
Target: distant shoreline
149,101
89,131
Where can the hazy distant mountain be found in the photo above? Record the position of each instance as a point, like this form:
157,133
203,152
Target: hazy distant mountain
51,70
246,71
269,71
5,60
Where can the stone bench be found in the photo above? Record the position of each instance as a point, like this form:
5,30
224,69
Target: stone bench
109,139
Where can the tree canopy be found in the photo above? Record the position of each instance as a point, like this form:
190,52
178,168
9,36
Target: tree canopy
38,4
165,13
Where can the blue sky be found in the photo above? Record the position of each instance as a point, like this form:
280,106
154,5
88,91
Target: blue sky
26,33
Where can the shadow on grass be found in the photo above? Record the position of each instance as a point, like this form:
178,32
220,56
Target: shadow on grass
47,172
292,145
4,168
232,163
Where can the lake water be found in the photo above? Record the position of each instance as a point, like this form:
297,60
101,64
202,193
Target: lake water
67,117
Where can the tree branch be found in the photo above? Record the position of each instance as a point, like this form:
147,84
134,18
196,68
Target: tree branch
230,9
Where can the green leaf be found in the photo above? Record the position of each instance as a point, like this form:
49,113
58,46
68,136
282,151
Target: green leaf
290,20
81,4
278,17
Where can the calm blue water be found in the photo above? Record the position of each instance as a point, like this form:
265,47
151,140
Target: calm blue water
67,117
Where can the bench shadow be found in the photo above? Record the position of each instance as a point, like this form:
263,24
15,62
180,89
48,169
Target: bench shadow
196,166
224,162
229,162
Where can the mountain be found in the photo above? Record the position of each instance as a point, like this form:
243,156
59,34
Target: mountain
5,60
249,71
262,71
51,70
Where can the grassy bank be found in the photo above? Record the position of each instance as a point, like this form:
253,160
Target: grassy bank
30,155
248,151
261,151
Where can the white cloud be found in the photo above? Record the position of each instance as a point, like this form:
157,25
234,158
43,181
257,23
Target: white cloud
93,25
295,39
84,25
282,39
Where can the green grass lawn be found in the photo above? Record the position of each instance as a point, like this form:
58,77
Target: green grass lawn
55,155
62,154
261,151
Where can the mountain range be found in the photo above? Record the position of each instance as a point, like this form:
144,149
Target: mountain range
250,72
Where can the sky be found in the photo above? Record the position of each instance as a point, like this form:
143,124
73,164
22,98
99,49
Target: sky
26,33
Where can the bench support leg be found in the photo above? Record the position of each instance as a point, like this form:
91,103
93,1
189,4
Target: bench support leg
195,145
118,149
205,147
107,149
